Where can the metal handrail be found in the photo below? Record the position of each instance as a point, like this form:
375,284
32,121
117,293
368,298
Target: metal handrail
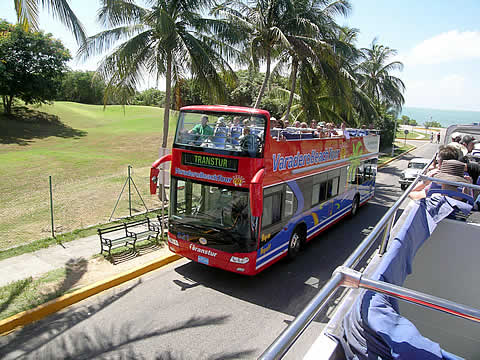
454,183
287,338
355,279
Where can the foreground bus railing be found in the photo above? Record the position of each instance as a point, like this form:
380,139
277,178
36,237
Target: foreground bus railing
355,279
346,276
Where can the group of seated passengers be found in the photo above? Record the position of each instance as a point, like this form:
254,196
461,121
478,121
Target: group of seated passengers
239,133
451,164
279,127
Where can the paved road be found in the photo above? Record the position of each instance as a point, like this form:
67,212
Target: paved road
189,311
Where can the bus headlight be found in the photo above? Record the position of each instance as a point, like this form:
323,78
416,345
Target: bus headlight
238,260
173,241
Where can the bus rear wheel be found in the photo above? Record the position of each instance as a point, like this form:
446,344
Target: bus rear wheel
355,205
295,244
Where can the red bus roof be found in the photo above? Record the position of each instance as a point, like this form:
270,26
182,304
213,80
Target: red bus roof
227,108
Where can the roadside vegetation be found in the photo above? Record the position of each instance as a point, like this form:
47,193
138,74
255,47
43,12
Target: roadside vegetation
320,74
86,150
29,293
414,135
400,148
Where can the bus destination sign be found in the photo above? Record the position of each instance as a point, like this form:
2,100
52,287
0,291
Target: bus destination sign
211,162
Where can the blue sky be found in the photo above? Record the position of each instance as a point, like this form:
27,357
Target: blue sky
437,41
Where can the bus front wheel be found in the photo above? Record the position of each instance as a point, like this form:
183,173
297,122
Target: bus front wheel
295,244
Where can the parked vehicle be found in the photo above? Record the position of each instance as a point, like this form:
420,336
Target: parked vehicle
415,166
427,259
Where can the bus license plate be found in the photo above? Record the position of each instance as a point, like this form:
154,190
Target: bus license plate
203,260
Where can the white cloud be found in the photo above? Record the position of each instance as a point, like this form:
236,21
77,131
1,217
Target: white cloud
446,47
452,92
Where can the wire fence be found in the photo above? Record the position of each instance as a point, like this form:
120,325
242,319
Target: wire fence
56,204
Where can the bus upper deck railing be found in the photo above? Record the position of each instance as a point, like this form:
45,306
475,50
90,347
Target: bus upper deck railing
346,276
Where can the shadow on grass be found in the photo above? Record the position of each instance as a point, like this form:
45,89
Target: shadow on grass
17,289
29,293
25,125
78,333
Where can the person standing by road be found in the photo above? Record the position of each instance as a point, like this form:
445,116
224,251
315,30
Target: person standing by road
438,137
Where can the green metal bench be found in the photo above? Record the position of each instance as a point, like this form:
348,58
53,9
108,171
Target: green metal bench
128,234
115,236
143,229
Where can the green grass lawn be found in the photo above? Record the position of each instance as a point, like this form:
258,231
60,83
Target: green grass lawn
400,148
413,135
86,150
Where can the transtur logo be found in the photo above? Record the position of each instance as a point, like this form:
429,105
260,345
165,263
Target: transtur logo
238,180
203,251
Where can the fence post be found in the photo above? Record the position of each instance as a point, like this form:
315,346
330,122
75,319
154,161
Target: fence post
129,193
51,204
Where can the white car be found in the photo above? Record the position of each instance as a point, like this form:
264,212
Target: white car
415,166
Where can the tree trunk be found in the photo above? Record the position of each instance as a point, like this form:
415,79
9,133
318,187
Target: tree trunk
293,77
168,92
7,104
265,81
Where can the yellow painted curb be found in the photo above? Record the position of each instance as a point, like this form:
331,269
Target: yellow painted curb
29,316
396,157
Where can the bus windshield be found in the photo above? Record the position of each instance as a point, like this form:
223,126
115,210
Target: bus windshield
242,134
218,215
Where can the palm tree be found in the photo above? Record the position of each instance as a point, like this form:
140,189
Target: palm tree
374,76
308,30
264,22
351,102
170,39
28,11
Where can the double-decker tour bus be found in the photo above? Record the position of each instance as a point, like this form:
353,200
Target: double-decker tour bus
244,195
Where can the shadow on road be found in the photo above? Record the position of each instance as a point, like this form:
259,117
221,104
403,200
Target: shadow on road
288,286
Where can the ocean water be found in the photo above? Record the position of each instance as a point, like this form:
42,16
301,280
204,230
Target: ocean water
444,117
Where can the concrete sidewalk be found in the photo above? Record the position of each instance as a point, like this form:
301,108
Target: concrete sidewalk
58,256
44,260
98,275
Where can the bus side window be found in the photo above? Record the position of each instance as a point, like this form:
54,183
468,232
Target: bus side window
272,205
343,179
319,189
333,187
290,202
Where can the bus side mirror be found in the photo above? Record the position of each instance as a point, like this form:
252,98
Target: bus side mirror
153,180
154,171
256,193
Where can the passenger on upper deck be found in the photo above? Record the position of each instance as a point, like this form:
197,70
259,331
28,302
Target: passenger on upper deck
468,142
444,153
319,132
220,133
249,142
344,131
235,130
203,131
452,170
332,130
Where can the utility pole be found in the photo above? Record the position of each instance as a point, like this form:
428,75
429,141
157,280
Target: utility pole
394,136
